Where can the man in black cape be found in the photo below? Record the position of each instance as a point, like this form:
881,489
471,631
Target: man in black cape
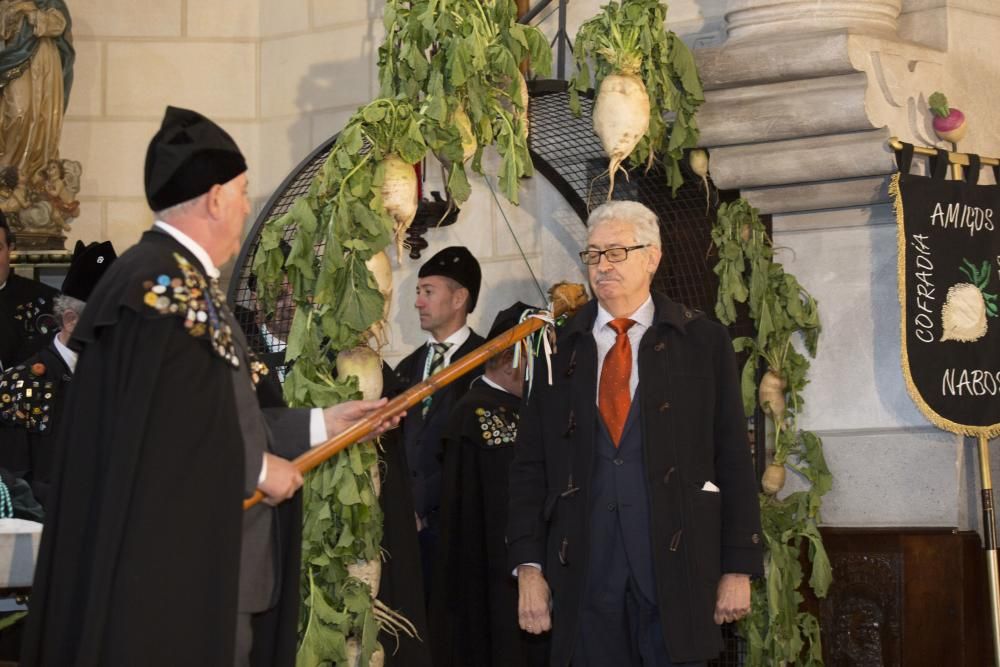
447,290
473,614
33,393
25,307
147,557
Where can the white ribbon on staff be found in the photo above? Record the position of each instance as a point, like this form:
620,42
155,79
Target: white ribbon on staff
529,344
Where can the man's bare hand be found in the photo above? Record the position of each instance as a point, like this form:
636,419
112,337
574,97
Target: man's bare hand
282,481
342,416
534,602
732,601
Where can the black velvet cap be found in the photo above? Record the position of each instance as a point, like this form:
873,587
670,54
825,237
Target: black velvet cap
86,268
457,263
187,157
508,318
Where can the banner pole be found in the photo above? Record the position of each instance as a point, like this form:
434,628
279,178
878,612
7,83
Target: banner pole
990,543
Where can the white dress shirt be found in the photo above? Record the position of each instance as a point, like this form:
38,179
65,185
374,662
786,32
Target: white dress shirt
68,355
457,340
605,337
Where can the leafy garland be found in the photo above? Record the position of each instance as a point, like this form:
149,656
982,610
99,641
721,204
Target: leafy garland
338,303
630,36
777,632
461,57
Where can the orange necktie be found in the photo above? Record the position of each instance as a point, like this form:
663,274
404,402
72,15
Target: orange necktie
613,398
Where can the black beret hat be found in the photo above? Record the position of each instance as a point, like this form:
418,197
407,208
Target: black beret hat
457,263
508,318
86,268
187,157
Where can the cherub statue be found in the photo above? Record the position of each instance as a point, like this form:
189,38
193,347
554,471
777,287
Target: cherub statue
14,196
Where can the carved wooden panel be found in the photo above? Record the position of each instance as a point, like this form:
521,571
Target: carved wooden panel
862,615
904,597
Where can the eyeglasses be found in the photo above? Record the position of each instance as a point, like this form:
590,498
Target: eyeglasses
613,254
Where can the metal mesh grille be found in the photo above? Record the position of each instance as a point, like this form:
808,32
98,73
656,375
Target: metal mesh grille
266,346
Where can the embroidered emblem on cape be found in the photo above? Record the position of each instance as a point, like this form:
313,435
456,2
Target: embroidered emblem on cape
35,317
26,397
498,426
199,302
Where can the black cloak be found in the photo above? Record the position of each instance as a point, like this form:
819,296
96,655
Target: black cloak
473,615
26,322
140,554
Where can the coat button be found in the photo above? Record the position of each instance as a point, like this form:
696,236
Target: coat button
618,462
688,314
755,538
665,406
612,507
659,346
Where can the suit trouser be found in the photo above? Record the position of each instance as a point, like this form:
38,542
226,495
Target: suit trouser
619,625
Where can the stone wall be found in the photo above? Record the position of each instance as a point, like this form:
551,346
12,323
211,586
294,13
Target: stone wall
800,104
801,99
282,76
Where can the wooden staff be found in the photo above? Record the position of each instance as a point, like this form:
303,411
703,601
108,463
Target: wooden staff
363,430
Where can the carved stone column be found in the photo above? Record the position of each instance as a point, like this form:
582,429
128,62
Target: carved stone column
762,19
802,97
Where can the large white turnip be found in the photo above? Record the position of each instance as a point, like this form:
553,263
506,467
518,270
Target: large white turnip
365,364
771,394
399,196
621,118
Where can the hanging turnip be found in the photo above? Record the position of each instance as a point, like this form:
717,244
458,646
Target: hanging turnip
647,86
949,122
399,196
369,572
354,655
773,480
621,118
771,394
365,364
698,161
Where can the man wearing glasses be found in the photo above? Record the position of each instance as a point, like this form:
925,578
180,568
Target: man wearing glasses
634,525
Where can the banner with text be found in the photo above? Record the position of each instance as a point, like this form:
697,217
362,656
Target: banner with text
949,279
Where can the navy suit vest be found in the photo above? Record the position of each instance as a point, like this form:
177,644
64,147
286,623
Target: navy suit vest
620,543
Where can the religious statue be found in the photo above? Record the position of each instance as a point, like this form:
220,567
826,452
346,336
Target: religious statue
37,189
